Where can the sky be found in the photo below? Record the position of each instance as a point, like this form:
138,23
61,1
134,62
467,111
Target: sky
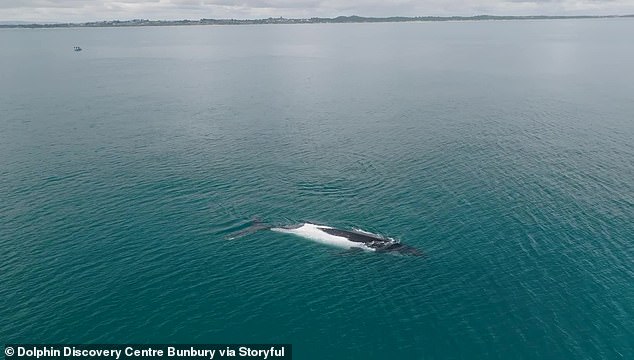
96,10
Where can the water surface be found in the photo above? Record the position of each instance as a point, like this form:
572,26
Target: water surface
504,150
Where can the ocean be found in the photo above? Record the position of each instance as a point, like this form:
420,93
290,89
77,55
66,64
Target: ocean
503,150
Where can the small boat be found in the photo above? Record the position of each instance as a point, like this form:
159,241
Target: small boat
76,48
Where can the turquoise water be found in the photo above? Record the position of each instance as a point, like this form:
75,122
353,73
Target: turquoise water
504,150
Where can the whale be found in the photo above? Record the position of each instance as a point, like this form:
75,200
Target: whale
355,239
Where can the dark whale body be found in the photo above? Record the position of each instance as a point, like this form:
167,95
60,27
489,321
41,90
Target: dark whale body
373,241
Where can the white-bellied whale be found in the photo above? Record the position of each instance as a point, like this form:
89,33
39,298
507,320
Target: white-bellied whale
347,239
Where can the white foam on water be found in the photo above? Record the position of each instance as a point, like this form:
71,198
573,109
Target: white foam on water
313,232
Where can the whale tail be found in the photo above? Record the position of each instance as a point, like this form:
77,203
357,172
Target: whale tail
256,225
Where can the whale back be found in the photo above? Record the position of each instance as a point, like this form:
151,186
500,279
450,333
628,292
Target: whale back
356,236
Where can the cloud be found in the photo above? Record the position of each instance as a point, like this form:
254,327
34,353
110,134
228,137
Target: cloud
83,10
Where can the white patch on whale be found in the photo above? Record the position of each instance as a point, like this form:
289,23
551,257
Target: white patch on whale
313,232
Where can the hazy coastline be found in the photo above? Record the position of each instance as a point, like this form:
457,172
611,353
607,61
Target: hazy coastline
282,20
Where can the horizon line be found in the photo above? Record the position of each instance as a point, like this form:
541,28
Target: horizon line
314,19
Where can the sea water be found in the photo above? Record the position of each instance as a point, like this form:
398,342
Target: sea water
504,150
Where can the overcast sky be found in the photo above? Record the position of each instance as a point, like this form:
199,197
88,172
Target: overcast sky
90,10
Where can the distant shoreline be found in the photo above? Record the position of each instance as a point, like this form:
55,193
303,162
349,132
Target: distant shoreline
314,20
